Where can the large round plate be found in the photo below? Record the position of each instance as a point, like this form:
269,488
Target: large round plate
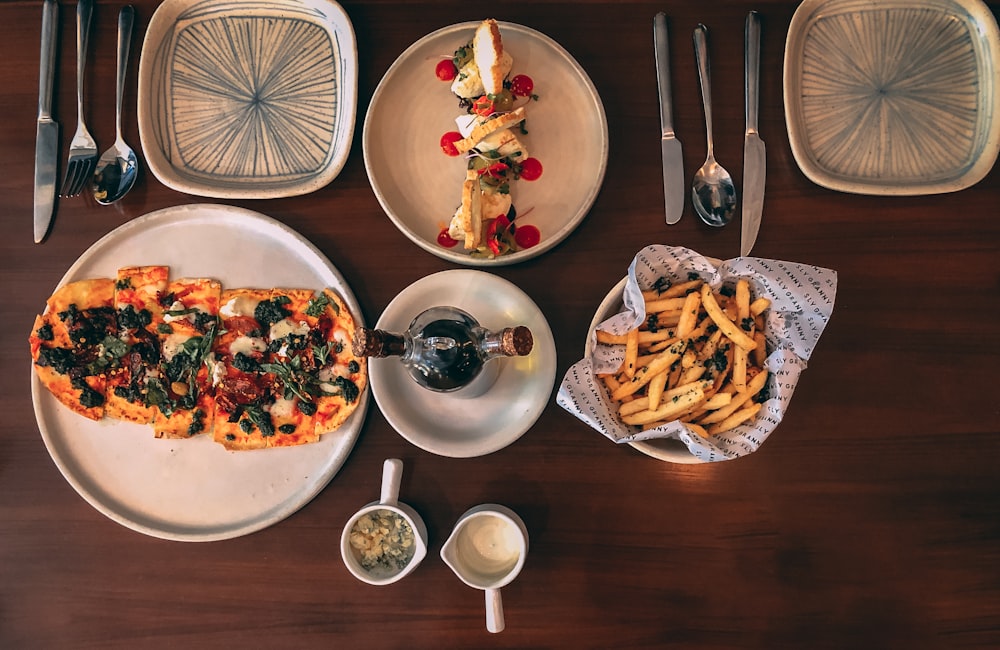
250,100
195,490
420,187
895,97
443,423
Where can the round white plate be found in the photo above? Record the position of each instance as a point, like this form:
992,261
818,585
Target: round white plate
420,187
195,490
443,423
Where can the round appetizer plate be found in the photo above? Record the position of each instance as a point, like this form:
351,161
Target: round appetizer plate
194,489
895,97
420,187
666,449
443,423
249,100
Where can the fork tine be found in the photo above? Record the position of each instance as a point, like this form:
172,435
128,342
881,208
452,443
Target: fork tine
68,179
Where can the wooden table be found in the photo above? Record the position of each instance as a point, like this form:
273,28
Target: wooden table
871,518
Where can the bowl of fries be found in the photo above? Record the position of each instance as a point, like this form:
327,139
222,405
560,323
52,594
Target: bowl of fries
691,359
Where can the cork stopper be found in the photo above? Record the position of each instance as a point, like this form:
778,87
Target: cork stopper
376,343
516,341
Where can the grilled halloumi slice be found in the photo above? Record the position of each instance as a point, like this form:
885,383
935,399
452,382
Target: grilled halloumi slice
489,66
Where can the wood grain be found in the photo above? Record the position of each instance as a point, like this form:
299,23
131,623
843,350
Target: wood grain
871,518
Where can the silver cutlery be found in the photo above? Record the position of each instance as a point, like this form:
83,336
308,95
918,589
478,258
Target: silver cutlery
754,163
47,133
83,148
712,193
673,158
118,166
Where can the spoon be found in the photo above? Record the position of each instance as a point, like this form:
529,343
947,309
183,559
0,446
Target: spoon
118,167
713,192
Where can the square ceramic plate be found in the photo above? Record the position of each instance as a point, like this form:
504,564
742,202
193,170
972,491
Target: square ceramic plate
893,96
245,99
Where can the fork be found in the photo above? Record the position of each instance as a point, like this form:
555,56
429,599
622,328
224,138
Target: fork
83,148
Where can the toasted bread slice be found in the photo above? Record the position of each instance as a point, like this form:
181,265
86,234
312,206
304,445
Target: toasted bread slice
487,50
504,121
472,210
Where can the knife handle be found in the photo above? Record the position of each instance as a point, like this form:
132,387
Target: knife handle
47,58
661,51
752,69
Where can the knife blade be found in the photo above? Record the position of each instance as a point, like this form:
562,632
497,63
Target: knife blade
673,158
754,158
47,132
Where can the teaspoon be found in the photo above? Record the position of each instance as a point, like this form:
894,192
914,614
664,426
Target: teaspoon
713,192
118,167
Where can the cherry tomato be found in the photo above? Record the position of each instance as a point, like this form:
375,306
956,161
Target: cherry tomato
444,239
531,169
527,236
522,85
446,70
448,141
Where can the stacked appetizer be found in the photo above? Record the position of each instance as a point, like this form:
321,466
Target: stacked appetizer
488,137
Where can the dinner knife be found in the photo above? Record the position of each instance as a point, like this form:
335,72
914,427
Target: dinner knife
673,159
47,133
754,164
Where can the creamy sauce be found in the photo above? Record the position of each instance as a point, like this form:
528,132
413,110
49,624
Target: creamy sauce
490,546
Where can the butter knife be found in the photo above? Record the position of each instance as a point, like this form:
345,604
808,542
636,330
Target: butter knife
754,163
673,159
47,133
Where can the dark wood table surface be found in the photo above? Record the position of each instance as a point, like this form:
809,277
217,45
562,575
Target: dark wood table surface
871,518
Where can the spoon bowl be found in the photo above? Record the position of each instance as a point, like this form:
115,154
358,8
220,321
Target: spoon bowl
118,167
712,191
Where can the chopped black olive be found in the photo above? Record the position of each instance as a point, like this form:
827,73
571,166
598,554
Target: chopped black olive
353,366
167,299
348,389
245,363
230,437
246,426
268,312
307,408
287,428
45,332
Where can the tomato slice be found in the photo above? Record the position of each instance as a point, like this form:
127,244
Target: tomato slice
531,169
448,141
444,239
446,70
522,85
527,236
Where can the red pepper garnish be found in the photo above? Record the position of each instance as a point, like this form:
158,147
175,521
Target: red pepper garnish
496,170
483,106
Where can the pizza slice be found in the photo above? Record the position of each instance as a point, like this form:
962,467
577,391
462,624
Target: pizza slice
343,377
291,359
242,387
74,342
132,392
187,331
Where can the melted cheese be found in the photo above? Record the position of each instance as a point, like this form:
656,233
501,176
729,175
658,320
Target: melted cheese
239,306
247,345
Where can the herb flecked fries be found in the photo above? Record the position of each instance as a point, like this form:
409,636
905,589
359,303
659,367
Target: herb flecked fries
697,358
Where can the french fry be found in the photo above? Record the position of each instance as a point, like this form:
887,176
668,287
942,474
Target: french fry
740,369
739,399
646,373
734,420
729,329
742,300
689,314
655,391
759,306
631,352
673,405
697,358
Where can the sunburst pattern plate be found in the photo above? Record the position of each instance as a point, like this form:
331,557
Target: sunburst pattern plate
893,97
247,98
